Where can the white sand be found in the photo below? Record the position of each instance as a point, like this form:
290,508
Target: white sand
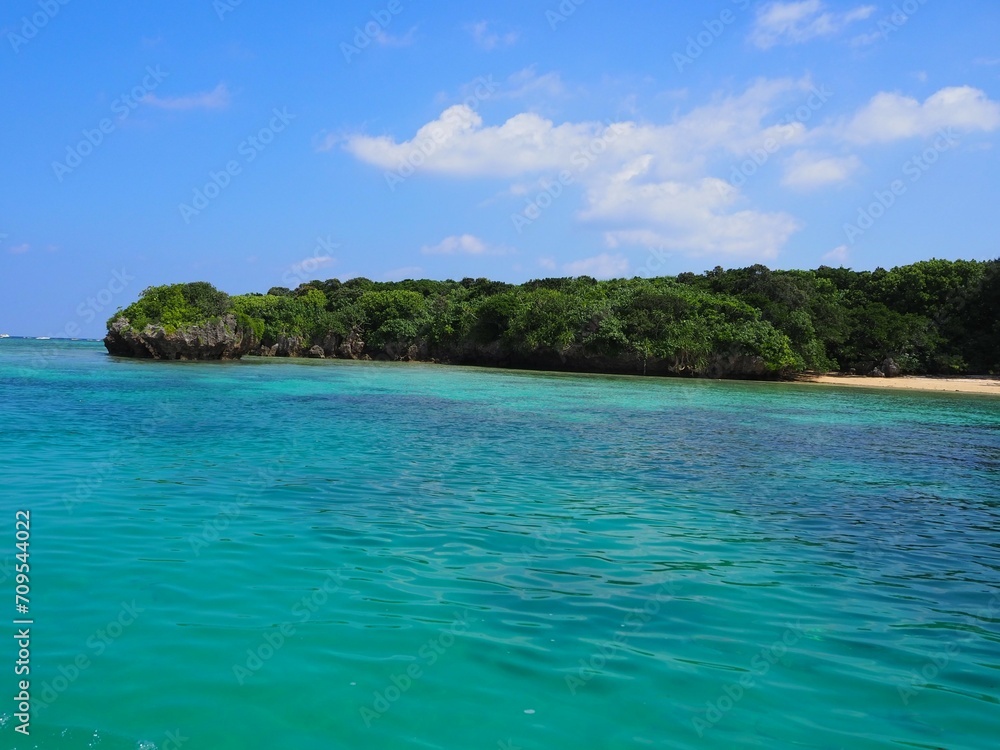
987,385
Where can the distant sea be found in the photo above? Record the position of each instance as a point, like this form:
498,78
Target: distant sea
328,554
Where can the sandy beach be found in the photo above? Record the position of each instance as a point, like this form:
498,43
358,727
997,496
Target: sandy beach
982,385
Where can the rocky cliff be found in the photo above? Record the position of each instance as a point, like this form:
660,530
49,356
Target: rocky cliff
222,338
226,339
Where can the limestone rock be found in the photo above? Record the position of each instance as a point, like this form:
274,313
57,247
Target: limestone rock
331,344
890,368
290,346
352,347
222,338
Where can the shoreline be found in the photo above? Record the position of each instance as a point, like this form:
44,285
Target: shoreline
982,384
971,384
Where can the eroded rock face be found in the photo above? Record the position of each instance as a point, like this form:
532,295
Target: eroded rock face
330,344
890,368
736,366
223,338
403,351
285,346
290,346
352,346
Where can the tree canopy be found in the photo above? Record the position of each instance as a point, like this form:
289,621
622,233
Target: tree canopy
935,316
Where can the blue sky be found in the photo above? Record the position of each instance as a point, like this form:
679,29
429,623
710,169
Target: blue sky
254,143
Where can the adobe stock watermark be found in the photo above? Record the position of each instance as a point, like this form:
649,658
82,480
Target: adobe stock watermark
173,740
733,692
302,271
634,622
562,12
544,542
88,310
758,157
423,484
85,488
656,261
100,302
713,29
427,656
99,642
32,25
266,477
878,547
213,528
365,35
122,106
914,168
917,680
91,307
901,14
223,8
439,135
250,148
273,640
552,190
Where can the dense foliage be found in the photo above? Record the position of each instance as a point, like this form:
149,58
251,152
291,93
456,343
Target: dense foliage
177,305
930,317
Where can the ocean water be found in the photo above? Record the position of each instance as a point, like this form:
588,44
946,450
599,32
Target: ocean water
326,554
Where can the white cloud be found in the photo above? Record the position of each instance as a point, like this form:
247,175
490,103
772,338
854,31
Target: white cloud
645,183
798,22
890,116
527,82
20,249
696,217
837,255
863,40
326,141
463,244
525,143
486,38
548,263
391,40
809,170
307,266
458,143
603,266
217,98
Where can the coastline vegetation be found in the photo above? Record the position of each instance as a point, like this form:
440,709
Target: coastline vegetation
931,317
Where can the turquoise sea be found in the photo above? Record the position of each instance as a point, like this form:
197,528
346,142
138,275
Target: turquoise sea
329,554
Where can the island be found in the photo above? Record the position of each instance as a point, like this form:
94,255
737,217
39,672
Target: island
932,317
